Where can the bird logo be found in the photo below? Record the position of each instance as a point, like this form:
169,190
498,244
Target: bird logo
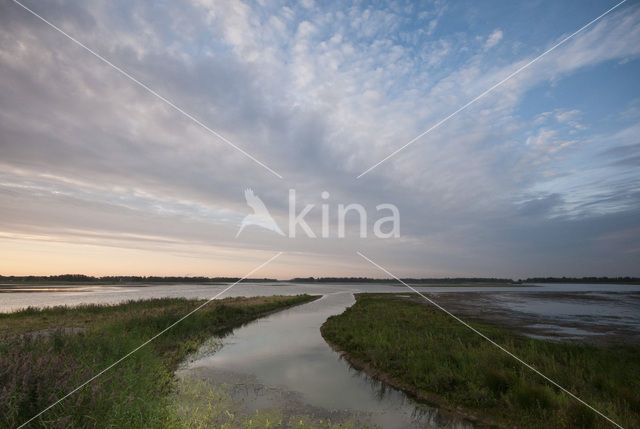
260,217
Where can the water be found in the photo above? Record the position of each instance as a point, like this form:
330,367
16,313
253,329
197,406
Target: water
542,310
90,294
603,307
283,360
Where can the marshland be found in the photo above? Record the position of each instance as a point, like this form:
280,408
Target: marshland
278,354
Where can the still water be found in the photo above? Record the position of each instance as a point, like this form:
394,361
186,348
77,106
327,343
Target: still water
12,298
283,362
579,311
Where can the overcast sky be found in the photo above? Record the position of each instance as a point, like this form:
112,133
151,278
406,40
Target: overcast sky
539,177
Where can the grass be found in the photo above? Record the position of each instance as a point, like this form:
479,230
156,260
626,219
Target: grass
39,362
428,354
203,405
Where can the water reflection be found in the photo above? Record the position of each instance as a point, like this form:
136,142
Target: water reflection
283,362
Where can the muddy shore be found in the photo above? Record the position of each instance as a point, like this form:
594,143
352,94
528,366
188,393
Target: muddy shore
524,312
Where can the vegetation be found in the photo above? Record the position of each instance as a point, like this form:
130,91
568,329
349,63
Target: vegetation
471,280
41,361
615,280
203,405
81,278
446,280
427,353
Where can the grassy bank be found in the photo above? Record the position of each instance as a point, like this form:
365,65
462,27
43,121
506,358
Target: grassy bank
425,352
44,354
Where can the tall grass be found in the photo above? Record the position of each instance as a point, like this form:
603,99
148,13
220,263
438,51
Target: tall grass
431,355
37,369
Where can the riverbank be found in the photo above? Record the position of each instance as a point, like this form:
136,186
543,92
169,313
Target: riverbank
434,358
44,354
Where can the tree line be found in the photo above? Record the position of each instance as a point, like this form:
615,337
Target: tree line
81,278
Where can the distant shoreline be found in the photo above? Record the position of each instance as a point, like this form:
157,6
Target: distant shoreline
57,286
84,280
80,287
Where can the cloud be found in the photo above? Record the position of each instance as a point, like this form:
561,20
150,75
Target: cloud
493,39
319,93
541,205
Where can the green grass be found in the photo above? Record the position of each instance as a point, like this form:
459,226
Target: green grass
425,352
203,405
35,370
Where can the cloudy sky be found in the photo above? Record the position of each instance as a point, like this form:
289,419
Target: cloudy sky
539,177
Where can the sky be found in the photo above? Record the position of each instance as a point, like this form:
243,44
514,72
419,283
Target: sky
539,177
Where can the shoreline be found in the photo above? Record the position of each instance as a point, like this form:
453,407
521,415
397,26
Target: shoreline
426,354
48,352
431,400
